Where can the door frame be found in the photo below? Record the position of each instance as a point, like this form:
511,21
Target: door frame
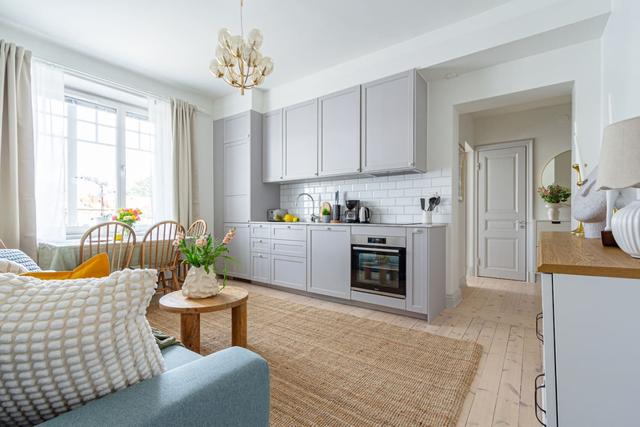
530,272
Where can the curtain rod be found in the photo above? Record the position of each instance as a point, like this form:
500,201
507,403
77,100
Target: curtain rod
112,84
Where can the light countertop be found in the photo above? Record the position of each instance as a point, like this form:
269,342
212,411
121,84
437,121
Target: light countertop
355,224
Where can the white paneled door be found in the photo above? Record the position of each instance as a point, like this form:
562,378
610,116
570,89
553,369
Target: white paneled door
502,212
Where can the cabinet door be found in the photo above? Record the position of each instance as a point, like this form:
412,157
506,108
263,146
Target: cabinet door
330,261
339,133
290,272
388,123
237,127
301,140
239,249
272,170
260,267
237,170
417,279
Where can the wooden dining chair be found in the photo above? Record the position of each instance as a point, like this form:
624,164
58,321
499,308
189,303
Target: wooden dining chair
114,238
2,245
158,252
198,228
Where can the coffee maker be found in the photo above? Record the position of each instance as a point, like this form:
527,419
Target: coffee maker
351,213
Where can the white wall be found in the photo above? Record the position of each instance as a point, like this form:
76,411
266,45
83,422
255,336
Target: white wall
466,139
621,62
579,64
549,127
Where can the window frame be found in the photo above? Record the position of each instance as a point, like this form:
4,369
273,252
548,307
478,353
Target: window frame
121,109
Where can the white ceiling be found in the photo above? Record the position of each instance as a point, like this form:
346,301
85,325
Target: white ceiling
174,40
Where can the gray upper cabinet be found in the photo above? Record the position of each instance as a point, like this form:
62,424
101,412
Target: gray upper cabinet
272,154
394,123
339,133
301,140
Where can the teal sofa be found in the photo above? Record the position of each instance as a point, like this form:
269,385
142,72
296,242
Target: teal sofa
227,388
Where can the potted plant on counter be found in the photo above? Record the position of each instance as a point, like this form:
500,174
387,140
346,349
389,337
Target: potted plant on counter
554,195
326,215
201,253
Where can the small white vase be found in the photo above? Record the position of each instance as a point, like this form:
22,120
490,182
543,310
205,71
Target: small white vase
427,217
625,226
200,284
553,211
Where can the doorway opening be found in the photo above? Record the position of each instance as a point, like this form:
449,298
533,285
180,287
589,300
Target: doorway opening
511,148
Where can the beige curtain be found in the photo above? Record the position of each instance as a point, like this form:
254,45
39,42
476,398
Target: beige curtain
182,117
17,179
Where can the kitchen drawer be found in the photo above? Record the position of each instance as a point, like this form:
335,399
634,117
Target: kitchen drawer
260,230
260,245
289,232
290,272
289,248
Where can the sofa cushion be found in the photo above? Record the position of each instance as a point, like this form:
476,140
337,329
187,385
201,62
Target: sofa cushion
64,343
16,255
177,355
96,266
7,266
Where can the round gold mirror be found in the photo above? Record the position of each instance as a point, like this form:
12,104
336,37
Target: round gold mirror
557,170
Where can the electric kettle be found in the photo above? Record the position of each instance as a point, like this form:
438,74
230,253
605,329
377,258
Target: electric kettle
364,215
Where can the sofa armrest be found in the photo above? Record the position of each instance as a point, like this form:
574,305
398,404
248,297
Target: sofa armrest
227,388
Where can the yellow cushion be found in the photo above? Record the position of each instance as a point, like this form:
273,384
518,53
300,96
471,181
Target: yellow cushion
96,266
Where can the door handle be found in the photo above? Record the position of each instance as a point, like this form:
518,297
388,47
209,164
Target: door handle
522,223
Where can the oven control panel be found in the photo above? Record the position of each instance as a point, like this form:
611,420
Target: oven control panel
377,240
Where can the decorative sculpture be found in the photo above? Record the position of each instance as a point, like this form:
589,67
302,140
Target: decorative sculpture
590,206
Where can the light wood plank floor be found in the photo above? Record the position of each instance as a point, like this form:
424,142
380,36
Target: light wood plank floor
499,315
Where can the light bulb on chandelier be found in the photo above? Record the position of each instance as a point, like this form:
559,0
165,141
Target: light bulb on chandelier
238,61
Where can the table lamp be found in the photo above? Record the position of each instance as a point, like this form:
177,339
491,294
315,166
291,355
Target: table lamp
620,169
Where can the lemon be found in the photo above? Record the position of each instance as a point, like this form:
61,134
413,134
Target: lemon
288,218
296,219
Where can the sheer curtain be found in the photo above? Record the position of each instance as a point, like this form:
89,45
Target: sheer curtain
162,172
49,129
17,196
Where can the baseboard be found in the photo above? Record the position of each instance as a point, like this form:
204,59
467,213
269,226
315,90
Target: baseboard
454,299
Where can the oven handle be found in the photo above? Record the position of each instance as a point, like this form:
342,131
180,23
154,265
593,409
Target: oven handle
393,251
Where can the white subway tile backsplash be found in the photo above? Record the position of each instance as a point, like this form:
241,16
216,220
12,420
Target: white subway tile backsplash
392,199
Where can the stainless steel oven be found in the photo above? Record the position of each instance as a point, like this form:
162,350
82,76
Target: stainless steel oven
378,265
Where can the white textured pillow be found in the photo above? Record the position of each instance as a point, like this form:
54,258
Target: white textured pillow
66,342
8,266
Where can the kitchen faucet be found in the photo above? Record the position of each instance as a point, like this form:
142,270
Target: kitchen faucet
314,217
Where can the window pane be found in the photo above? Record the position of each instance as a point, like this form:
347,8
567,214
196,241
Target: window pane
132,123
107,118
86,131
86,113
139,183
132,139
107,135
95,181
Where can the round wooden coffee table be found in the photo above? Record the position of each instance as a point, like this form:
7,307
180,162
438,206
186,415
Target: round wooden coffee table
231,297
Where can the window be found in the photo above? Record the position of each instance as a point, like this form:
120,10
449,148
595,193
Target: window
109,149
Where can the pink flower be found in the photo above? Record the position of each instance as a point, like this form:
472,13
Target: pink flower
229,236
179,239
114,217
201,241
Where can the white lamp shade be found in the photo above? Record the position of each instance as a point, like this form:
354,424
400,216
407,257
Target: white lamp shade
620,156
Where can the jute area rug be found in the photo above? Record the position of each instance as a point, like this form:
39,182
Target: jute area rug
335,369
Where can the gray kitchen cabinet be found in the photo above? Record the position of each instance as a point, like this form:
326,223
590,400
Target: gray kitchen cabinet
272,143
301,140
289,271
240,250
329,260
339,133
394,124
242,196
260,267
426,274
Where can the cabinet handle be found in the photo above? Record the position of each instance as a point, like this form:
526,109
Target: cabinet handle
538,328
412,164
329,228
418,231
316,174
289,227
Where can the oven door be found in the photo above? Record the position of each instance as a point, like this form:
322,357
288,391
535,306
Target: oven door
379,270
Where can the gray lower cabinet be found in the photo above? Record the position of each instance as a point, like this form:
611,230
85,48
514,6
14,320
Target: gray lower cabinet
426,272
394,129
240,250
339,133
329,260
289,271
260,267
301,140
